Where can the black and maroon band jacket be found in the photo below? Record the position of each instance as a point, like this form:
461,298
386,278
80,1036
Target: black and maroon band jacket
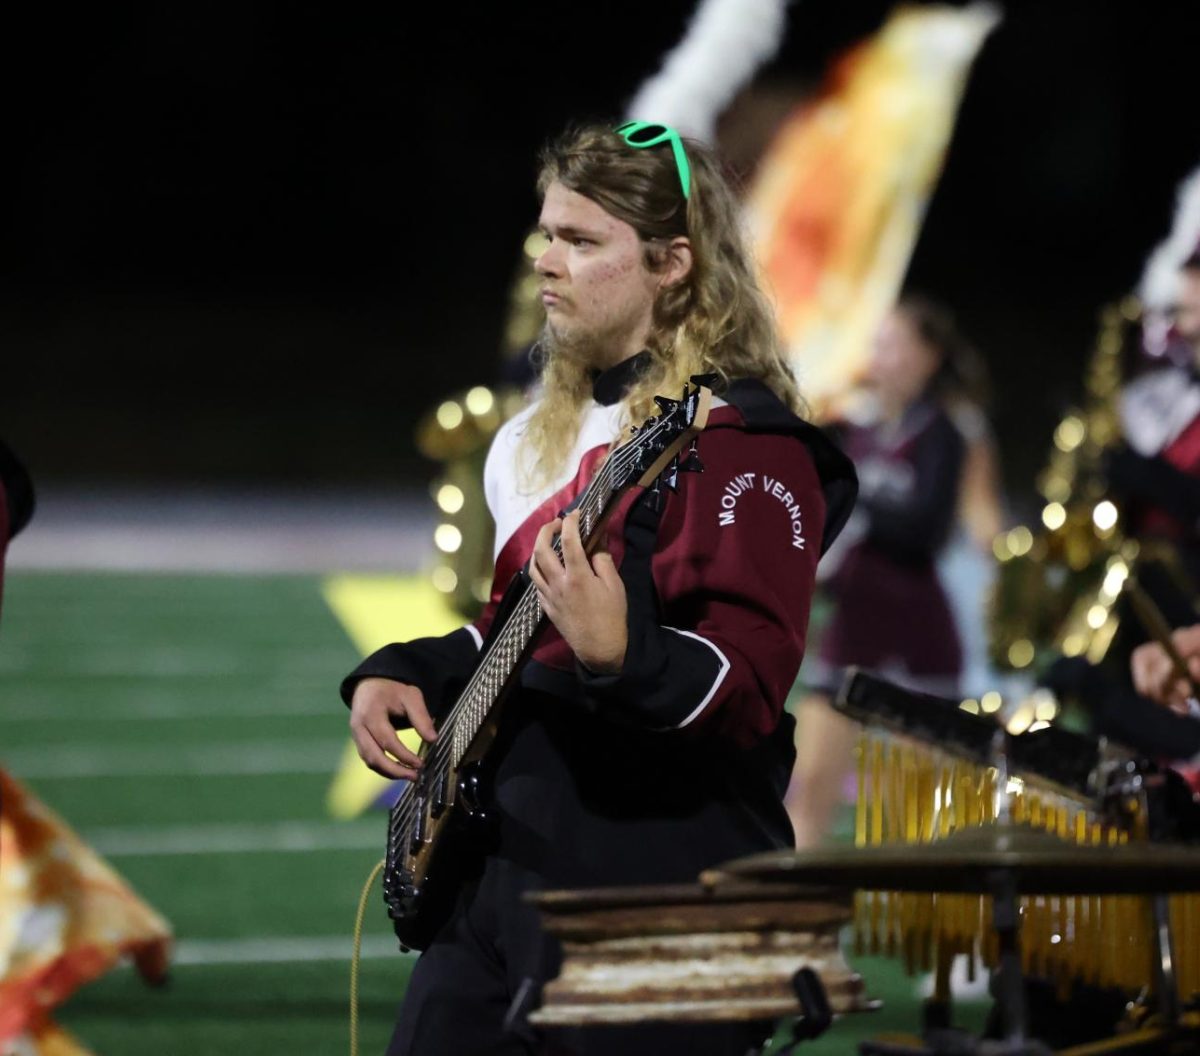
681,760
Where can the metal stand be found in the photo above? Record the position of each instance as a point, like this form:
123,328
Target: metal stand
815,1015
1164,962
1008,991
1008,983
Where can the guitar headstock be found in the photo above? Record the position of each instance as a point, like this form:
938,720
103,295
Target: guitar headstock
659,439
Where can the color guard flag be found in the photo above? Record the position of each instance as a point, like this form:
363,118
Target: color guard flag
66,917
837,206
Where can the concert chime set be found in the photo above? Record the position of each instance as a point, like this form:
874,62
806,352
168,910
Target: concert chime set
1030,854
930,774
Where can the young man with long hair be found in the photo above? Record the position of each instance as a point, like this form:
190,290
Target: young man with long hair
647,739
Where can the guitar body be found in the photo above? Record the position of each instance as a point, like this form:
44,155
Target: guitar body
439,842
442,844
421,896
442,826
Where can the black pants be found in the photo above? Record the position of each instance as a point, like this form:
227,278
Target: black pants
463,985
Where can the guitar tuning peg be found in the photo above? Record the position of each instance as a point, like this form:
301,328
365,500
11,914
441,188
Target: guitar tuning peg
654,498
692,463
664,403
670,478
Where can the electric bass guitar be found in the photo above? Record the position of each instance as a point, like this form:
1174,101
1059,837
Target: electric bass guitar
441,814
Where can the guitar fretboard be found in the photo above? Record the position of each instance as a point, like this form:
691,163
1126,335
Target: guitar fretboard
504,652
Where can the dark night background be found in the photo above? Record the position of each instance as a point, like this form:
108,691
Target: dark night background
252,244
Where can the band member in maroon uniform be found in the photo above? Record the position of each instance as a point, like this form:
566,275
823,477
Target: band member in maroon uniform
648,739
891,615
1156,477
1158,473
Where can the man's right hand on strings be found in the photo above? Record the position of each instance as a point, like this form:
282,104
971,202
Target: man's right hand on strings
379,705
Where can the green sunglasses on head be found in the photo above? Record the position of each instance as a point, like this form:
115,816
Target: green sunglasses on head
642,134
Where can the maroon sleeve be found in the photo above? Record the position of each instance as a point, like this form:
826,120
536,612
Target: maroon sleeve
716,631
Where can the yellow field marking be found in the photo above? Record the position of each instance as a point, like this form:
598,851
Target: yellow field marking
377,610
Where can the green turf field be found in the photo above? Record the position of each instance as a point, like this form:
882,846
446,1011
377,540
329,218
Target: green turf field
188,726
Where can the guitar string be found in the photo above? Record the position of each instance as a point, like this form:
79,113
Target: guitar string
592,501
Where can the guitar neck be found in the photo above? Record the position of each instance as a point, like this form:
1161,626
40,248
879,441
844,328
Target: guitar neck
508,645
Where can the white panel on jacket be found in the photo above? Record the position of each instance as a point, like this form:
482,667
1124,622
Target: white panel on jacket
508,499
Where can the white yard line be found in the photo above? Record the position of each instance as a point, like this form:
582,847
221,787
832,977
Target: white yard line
283,949
255,530
238,838
961,987
158,708
220,759
193,661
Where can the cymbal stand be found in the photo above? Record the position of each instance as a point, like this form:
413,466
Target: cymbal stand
815,1014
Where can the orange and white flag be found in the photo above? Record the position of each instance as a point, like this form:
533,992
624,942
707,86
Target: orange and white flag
837,205
66,917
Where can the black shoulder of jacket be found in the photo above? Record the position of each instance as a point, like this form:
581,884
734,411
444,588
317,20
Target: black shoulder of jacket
764,412
18,490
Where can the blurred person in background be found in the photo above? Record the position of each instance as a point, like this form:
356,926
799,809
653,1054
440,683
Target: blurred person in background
647,739
909,439
1155,475
1150,706
967,564
1157,472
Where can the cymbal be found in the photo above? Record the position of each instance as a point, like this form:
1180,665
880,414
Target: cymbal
967,861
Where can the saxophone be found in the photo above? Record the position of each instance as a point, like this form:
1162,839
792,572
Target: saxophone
457,433
1056,589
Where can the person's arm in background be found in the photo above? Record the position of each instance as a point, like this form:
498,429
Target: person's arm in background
1152,479
1155,675
914,525
980,507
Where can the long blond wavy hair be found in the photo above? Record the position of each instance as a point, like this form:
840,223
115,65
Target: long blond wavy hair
716,321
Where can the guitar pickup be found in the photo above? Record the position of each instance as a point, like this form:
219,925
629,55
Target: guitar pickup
418,829
441,794
692,463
